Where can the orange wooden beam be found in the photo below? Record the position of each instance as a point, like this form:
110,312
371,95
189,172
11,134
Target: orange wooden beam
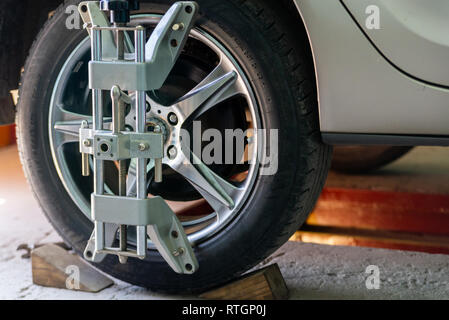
382,210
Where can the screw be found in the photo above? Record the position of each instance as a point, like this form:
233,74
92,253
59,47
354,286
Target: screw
178,252
86,143
143,146
172,152
178,26
173,118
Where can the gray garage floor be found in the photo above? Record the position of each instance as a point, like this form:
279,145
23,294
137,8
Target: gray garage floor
311,271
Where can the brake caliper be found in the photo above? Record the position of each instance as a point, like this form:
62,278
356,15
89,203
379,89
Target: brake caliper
120,66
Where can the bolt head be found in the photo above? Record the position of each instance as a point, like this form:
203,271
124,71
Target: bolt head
178,26
86,143
143,146
178,252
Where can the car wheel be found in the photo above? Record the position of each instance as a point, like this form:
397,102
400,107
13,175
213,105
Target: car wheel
276,94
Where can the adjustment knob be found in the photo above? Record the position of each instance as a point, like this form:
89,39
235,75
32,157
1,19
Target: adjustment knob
119,9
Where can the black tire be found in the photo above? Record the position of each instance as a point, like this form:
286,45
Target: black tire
360,159
270,44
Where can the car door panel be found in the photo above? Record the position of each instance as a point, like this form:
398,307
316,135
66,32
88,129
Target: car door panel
359,90
413,35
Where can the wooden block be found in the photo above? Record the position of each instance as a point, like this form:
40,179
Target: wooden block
52,266
263,284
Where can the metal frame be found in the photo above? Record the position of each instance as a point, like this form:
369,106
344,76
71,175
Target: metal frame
164,228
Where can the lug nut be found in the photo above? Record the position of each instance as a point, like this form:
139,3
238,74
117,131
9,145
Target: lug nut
173,118
172,152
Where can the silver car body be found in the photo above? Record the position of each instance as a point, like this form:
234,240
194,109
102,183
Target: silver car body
383,86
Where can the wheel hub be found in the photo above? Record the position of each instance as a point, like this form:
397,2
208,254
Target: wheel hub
156,124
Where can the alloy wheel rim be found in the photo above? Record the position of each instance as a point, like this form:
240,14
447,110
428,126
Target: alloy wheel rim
64,124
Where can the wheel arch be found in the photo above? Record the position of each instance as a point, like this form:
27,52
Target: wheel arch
292,9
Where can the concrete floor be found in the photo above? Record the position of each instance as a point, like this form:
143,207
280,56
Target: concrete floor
311,271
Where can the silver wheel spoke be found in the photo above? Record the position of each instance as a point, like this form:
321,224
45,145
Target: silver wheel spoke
216,191
217,87
68,124
197,222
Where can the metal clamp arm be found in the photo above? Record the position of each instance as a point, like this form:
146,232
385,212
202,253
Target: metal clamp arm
162,50
167,40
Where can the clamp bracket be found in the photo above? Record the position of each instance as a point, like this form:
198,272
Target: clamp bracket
106,145
118,64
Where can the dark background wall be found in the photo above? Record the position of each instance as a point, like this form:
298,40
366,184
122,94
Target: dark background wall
20,21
